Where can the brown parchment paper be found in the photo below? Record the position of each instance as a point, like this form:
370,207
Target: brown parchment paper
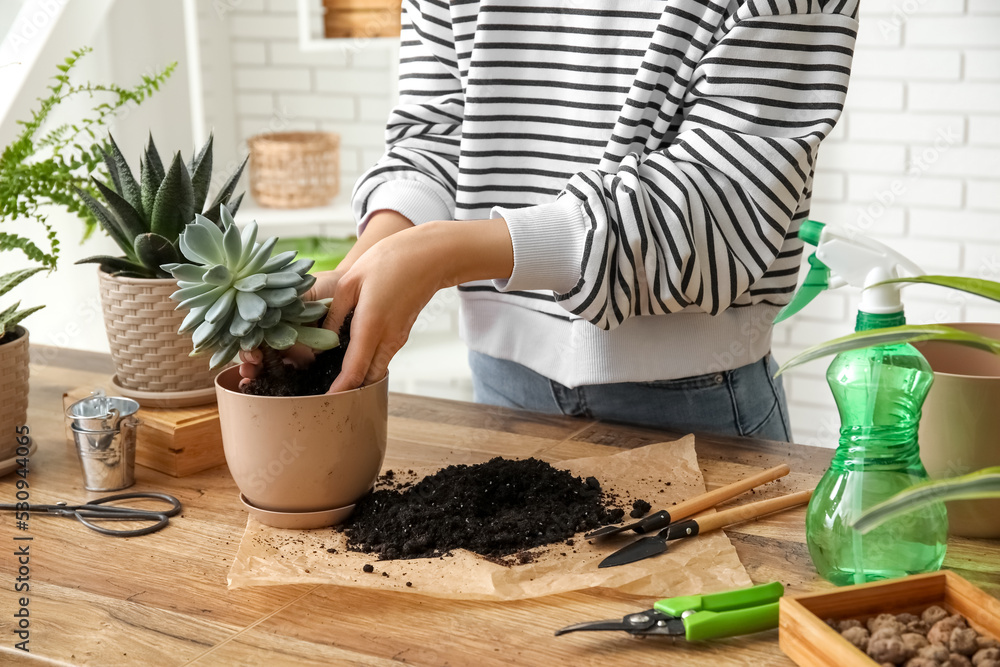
272,556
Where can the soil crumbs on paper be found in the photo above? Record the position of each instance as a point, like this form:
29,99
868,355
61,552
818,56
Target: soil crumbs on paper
499,509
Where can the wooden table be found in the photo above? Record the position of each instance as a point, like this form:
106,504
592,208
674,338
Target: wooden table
162,599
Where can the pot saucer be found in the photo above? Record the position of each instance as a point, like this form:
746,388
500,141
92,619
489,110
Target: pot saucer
8,466
298,520
166,399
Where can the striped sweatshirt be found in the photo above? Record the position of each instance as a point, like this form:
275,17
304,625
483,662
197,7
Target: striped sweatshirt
653,160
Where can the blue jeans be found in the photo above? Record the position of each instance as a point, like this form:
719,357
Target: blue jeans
747,401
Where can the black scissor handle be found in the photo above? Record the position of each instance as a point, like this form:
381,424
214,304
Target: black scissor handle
175,505
160,519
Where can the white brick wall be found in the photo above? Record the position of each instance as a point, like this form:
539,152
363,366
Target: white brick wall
915,160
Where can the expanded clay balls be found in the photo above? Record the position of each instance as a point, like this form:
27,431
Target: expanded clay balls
935,638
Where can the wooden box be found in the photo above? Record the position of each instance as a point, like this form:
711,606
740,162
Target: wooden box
176,441
805,637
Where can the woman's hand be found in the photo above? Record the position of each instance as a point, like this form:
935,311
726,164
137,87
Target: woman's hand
389,285
381,225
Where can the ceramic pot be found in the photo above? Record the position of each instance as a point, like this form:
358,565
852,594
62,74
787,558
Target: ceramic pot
960,425
141,321
303,453
13,390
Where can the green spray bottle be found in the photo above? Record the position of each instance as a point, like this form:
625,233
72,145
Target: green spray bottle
879,392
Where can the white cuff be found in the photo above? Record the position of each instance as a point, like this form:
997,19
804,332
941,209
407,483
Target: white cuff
548,242
412,199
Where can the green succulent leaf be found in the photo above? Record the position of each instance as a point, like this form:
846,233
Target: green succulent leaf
116,265
153,160
218,275
11,320
233,246
173,207
252,308
9,281
279,262
248,238
317,338
282,279
909,333
280,337
253,283
988,289
312,312
205,331
122,175
271,318
149,186
252,340
225,192
201,174
258,258
984,483
108,223
239,327
186,272
188,291
223,307
129,220
193,319
206,299
198,245
224,355
276,298
153,251
300,266
306,284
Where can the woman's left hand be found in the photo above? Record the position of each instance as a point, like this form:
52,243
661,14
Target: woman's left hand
390,284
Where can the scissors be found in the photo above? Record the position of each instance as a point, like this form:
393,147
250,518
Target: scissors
700,617
100,510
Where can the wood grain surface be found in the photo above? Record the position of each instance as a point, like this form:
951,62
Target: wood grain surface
161,599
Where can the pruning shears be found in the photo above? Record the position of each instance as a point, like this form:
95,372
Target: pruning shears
699,617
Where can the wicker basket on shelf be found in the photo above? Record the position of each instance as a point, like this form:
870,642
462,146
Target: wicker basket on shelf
294,169
361,18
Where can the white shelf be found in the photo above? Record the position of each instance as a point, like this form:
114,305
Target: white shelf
333,221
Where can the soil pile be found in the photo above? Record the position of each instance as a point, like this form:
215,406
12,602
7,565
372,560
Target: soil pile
311,381
496,509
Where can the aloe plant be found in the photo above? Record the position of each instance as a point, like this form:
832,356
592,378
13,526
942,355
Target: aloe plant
983,483
240,297
146,217
10,317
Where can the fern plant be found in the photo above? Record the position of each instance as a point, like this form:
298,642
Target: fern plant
145,217
49,166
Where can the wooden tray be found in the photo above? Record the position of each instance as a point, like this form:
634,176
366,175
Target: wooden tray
177,441
805,637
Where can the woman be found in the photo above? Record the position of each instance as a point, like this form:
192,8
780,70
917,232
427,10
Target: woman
615,187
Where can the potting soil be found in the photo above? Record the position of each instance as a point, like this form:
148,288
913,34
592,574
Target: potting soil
311,381
497,509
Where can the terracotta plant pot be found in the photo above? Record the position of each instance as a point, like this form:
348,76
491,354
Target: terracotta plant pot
303,453
960,426
148,353
13,390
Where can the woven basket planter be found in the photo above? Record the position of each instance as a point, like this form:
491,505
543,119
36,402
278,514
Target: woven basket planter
361,18
141,322
13,391
294,169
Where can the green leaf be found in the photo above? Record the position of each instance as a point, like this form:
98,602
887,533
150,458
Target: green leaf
988,289
253,283
173,207
129,220
191,272
908,333
198,245
224,355
984,483
201,174
123,178
276,298
218,275
108,223
280,337
252,308
116,264
9,322
317,338
150,185
153,251
224,193
252,340
11,280
153,160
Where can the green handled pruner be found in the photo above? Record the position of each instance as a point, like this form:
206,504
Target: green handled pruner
698,617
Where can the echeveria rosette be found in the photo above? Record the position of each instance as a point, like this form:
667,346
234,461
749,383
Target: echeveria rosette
239,296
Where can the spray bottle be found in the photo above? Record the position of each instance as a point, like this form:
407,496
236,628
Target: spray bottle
879,392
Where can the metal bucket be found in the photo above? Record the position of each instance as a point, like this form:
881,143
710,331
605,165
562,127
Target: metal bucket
107,456
98,412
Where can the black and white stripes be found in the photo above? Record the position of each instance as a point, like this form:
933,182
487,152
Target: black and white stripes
650,156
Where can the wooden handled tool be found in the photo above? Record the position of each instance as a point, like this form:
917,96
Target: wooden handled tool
692,506
653,545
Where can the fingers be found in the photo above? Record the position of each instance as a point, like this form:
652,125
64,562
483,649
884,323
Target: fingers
358,358
251,366
300,356
323,288
380,363
344,301
251,356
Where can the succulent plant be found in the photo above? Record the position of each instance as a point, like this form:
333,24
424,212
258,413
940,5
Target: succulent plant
10,317
145,218
239,296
